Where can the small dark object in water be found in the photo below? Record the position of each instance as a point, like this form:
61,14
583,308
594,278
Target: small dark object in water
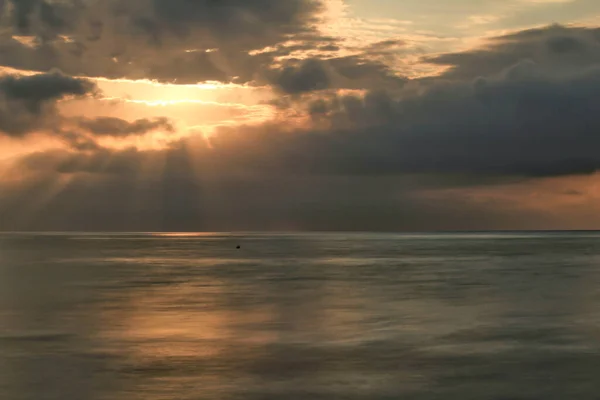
239,247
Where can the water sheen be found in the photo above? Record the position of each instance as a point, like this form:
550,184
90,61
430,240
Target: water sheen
299,316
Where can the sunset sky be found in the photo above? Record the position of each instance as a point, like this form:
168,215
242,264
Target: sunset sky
227,115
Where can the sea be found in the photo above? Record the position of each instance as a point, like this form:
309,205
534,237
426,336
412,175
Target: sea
294,316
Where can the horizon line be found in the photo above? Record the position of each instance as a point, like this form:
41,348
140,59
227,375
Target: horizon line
252,232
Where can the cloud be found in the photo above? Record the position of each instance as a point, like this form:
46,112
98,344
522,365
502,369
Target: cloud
157,19
35,90
240,20
29,102
179,41
358,72
554,48
36,16
309,76
156,39
524,119
117,127
364,72
523,106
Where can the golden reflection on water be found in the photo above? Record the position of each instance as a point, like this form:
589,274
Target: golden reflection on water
185,319
184,234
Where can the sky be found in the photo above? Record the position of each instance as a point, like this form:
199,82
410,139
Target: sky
299,115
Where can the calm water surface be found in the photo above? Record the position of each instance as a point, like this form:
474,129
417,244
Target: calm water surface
307,316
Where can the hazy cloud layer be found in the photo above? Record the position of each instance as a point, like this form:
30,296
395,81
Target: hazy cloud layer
524,105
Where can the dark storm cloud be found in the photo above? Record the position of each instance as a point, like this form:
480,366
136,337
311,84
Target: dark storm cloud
116,127
361,72
30,15
182,41
349,72
190,67
37,89
239,20
555,48
522,121
28,102
310,75
155,39
525,105
227,19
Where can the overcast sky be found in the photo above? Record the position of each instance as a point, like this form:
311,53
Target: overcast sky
385,115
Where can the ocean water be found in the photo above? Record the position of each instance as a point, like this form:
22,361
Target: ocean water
299,316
